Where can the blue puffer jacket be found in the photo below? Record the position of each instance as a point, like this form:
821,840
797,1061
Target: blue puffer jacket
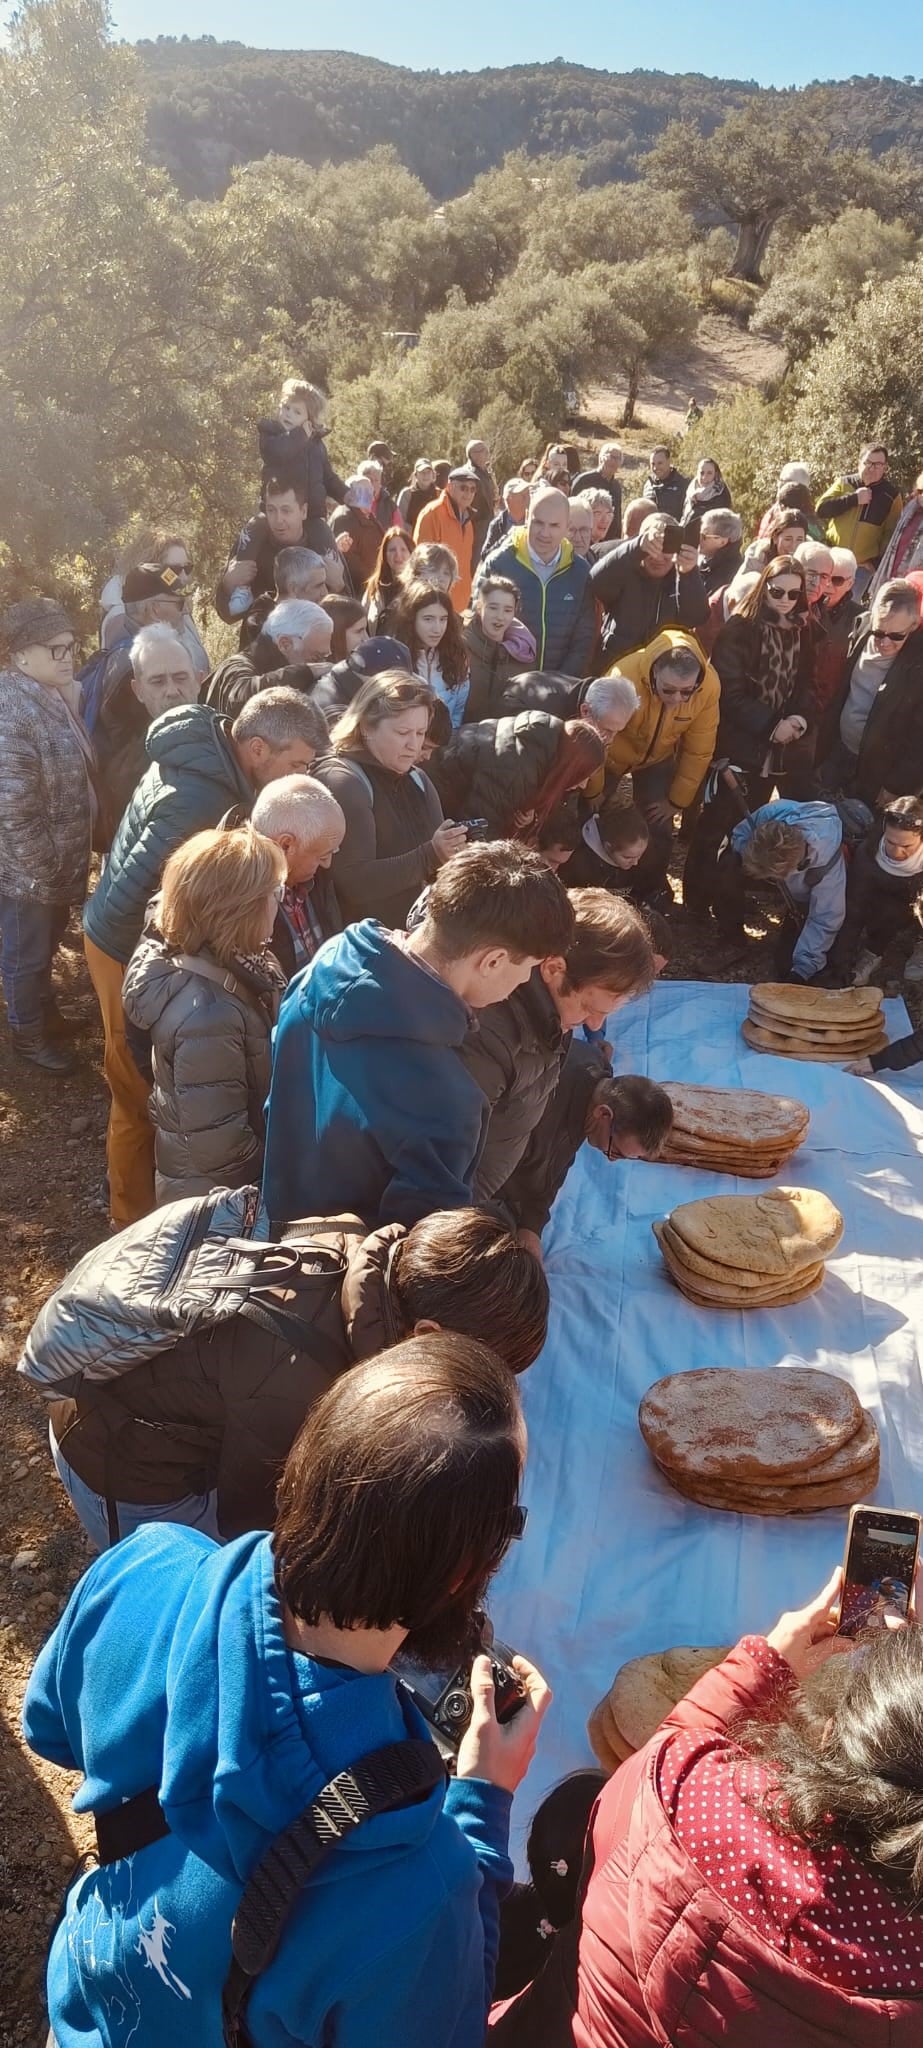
194,777
560,614
819,885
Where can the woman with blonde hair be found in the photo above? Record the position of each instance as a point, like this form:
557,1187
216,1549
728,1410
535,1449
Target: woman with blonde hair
396,835
203,990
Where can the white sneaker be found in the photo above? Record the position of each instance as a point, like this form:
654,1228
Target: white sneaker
913,972
867,964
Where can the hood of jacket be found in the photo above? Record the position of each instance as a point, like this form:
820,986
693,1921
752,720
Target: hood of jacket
361,985
155,976
820,823
237,1731
369,1317
191,739
668,639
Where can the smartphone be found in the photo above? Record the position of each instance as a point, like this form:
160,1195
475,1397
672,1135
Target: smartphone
878,1568
691,531
672,539
476,828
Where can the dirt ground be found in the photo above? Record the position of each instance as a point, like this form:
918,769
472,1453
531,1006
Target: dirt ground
722,358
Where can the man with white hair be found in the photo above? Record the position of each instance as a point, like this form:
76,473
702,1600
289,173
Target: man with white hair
553,583
817,562
156,673
511,513
384,508
605,478
580,526
606,702
293,648
306,822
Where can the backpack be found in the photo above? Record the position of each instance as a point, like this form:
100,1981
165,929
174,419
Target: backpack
188,1266
91,678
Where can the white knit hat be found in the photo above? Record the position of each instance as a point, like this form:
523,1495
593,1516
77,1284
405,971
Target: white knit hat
795,473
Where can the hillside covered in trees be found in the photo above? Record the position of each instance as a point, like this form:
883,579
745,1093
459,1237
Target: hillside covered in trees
212,105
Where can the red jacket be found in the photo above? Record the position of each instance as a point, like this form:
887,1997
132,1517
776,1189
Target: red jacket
657,1958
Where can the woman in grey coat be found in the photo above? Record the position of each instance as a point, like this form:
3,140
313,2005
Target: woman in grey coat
202,989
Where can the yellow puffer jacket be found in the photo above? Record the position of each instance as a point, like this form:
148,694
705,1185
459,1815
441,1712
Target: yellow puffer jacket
687,731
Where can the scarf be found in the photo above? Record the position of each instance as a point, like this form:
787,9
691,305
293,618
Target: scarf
913,866
780,648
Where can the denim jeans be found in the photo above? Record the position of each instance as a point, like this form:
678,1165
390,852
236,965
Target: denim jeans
195,1511
30,934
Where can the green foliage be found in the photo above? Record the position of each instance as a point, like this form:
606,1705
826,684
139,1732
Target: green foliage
822,277
750,437
866,383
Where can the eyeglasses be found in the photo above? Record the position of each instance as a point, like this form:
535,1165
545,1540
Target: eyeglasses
783,590
668,693
896,639
839,579
60,649
815,576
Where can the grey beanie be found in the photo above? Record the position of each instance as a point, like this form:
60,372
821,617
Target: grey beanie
34,622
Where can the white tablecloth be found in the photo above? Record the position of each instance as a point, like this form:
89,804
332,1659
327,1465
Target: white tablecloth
613,1562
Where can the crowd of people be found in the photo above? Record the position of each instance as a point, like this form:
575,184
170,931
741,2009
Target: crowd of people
371,888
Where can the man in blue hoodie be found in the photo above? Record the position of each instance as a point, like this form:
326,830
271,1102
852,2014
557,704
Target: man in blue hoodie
371,1109
227,1687
801,846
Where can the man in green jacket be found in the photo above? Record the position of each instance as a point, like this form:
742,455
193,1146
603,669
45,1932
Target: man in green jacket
862,510
200,767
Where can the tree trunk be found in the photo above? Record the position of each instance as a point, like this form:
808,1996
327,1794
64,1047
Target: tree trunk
752,236
631,396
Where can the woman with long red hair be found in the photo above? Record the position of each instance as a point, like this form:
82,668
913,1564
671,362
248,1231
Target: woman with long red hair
514,772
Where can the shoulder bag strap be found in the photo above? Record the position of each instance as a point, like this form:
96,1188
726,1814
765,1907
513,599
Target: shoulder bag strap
401,1774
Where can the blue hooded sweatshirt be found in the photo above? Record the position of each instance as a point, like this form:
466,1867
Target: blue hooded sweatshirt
169,1667
370,1108
818,887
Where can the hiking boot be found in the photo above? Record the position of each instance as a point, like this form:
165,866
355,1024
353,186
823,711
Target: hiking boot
913,972
57,1024
867,964
40,1050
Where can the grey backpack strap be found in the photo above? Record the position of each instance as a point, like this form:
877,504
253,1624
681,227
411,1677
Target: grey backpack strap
401,1774
208,970
343,761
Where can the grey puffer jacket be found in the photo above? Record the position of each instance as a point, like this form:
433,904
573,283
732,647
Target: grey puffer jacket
210,1044
45,818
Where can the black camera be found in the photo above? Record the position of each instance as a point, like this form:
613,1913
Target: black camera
476,828
444,1697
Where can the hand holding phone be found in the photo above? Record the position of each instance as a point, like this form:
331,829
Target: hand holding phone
808,1636
882,1546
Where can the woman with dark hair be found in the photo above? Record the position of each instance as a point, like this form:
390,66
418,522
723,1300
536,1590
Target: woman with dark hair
785,532
396,834
384,582
515,771
418,493
756,1871
426,623
707,491
350,626
764,655
211,1695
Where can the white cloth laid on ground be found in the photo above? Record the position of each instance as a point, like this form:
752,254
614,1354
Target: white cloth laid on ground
614,1563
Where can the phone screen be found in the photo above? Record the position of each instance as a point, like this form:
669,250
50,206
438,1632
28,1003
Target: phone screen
881,1556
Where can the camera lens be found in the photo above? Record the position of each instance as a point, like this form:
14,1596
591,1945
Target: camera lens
456,1705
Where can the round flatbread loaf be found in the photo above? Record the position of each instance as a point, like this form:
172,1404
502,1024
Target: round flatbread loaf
771,1234
783,1300
787,1048
737,1115
817,1005
695,1264
780,1500
825,1034
739,1290
646,1689
724,1423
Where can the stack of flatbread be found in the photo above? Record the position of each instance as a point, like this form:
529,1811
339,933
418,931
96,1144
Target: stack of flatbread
647,1689
750,1251
733,1130
831,1024
779,1441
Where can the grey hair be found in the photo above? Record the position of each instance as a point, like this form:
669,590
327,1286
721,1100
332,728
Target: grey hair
727,524
291,566
279,716
845,561
809,552
294,617
897,596
154,636
585,498
612,693
515,483
299,805
609,448
365,468
597,499
795,473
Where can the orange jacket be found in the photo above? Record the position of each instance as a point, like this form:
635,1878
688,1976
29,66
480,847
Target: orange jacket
440,522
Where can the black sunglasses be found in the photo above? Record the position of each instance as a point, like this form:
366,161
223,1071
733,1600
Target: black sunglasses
777,590
896,638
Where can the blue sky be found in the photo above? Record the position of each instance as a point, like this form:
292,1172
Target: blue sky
788,43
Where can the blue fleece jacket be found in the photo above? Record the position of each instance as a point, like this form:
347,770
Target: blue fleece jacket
370,1108
819,886
169,1667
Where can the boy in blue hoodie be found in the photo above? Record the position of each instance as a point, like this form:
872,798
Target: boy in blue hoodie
370,1108
234,1684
